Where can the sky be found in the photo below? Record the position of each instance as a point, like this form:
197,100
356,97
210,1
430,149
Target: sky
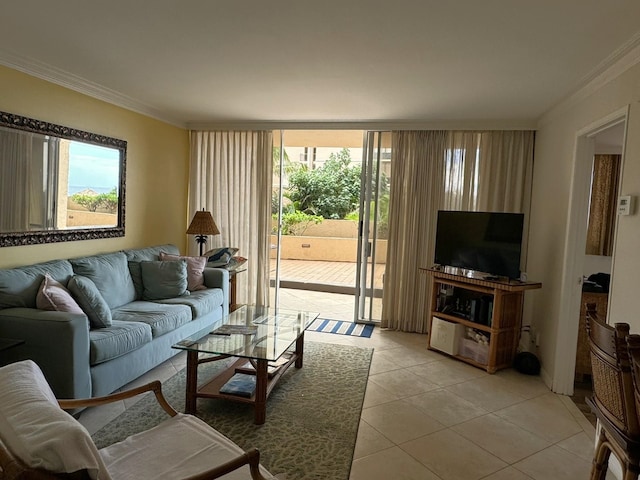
93,166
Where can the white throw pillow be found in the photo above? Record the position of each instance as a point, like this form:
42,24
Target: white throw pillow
37,431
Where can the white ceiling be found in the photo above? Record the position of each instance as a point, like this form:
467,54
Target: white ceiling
194,62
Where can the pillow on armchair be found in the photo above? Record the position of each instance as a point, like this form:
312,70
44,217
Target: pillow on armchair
37,431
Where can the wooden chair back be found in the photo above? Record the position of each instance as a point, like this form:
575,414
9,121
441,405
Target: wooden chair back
612,378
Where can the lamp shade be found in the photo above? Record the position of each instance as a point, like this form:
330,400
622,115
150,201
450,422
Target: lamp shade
202,224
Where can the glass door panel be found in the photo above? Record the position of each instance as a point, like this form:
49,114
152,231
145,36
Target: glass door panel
373,226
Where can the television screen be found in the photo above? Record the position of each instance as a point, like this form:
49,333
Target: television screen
487,242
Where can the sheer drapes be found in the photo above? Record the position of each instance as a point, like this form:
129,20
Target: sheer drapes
432,170
231,176
417,185
15,150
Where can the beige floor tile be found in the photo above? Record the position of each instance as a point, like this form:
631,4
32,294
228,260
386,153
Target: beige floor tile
407,356
376,395
370,441
489,392
508,473
446,407
528,386
554,463
381,363
400,422
545,416
447,372
453,457
402,383
580,444
503,439
390,464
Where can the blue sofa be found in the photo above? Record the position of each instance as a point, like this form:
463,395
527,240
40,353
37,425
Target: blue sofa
80,359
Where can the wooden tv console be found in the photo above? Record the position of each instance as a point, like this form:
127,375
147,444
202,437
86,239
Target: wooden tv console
501,321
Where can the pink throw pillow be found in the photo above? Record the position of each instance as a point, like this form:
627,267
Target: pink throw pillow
195,269
53,296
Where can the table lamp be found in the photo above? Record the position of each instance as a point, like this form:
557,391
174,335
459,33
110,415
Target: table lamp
201,226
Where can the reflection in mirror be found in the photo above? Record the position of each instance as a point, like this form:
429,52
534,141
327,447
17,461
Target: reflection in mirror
58,184
602,205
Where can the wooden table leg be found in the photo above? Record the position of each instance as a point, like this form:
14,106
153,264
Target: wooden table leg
192,382
261,392
299,350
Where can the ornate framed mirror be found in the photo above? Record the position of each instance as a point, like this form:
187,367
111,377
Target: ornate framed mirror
58,184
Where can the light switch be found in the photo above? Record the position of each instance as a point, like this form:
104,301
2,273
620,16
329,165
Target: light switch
625,205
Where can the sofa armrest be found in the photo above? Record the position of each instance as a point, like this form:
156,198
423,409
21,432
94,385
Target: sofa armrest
218,278
57,341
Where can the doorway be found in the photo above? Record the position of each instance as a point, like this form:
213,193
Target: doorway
329,208
608,134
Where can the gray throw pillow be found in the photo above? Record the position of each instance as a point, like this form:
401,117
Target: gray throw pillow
90,300
163,280
136,276
110,273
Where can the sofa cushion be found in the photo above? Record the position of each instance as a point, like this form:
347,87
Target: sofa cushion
161,318
163,279
37,431
110,273
53,296
90,300
19,286
201,302
195,267
136,276
118,339
150,253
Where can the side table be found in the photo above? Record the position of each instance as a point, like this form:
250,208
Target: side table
233,287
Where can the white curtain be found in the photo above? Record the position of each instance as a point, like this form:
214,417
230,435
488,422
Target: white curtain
417,184
433,170
231,176
15,183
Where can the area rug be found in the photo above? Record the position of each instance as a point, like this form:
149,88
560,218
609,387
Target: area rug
341,328
312,422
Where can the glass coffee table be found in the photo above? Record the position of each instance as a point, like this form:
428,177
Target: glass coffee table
261,339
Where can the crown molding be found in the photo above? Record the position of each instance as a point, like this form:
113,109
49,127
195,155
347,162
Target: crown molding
618,62
78,84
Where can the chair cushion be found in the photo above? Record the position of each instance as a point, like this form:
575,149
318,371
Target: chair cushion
195,268
90,300
179,447
116,340
163,279
53,296
110,273
201,302
161,318
37,431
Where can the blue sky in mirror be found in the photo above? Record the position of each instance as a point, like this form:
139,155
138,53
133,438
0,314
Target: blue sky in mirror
93,167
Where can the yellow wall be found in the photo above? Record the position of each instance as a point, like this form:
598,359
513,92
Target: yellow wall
156,173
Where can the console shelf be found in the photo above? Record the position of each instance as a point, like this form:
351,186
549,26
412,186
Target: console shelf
499,318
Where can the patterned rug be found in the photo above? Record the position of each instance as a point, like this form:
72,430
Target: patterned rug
341,328
313,414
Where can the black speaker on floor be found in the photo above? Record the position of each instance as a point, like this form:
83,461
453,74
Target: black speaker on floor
527,363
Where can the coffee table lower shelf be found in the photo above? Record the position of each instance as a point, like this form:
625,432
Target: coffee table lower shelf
211,388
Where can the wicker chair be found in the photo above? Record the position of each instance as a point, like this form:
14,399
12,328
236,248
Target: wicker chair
613,398
39,441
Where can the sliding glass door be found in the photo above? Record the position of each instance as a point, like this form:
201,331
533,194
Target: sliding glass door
373,226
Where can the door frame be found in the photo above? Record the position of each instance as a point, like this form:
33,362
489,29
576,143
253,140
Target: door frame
575,244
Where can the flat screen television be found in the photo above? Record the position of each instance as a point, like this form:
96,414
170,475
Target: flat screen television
487,242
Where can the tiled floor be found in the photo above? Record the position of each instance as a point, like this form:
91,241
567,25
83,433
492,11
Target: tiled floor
429,417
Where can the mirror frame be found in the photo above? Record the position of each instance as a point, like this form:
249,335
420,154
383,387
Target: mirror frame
14,239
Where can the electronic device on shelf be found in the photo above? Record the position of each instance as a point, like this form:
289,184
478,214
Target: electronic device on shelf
489,242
